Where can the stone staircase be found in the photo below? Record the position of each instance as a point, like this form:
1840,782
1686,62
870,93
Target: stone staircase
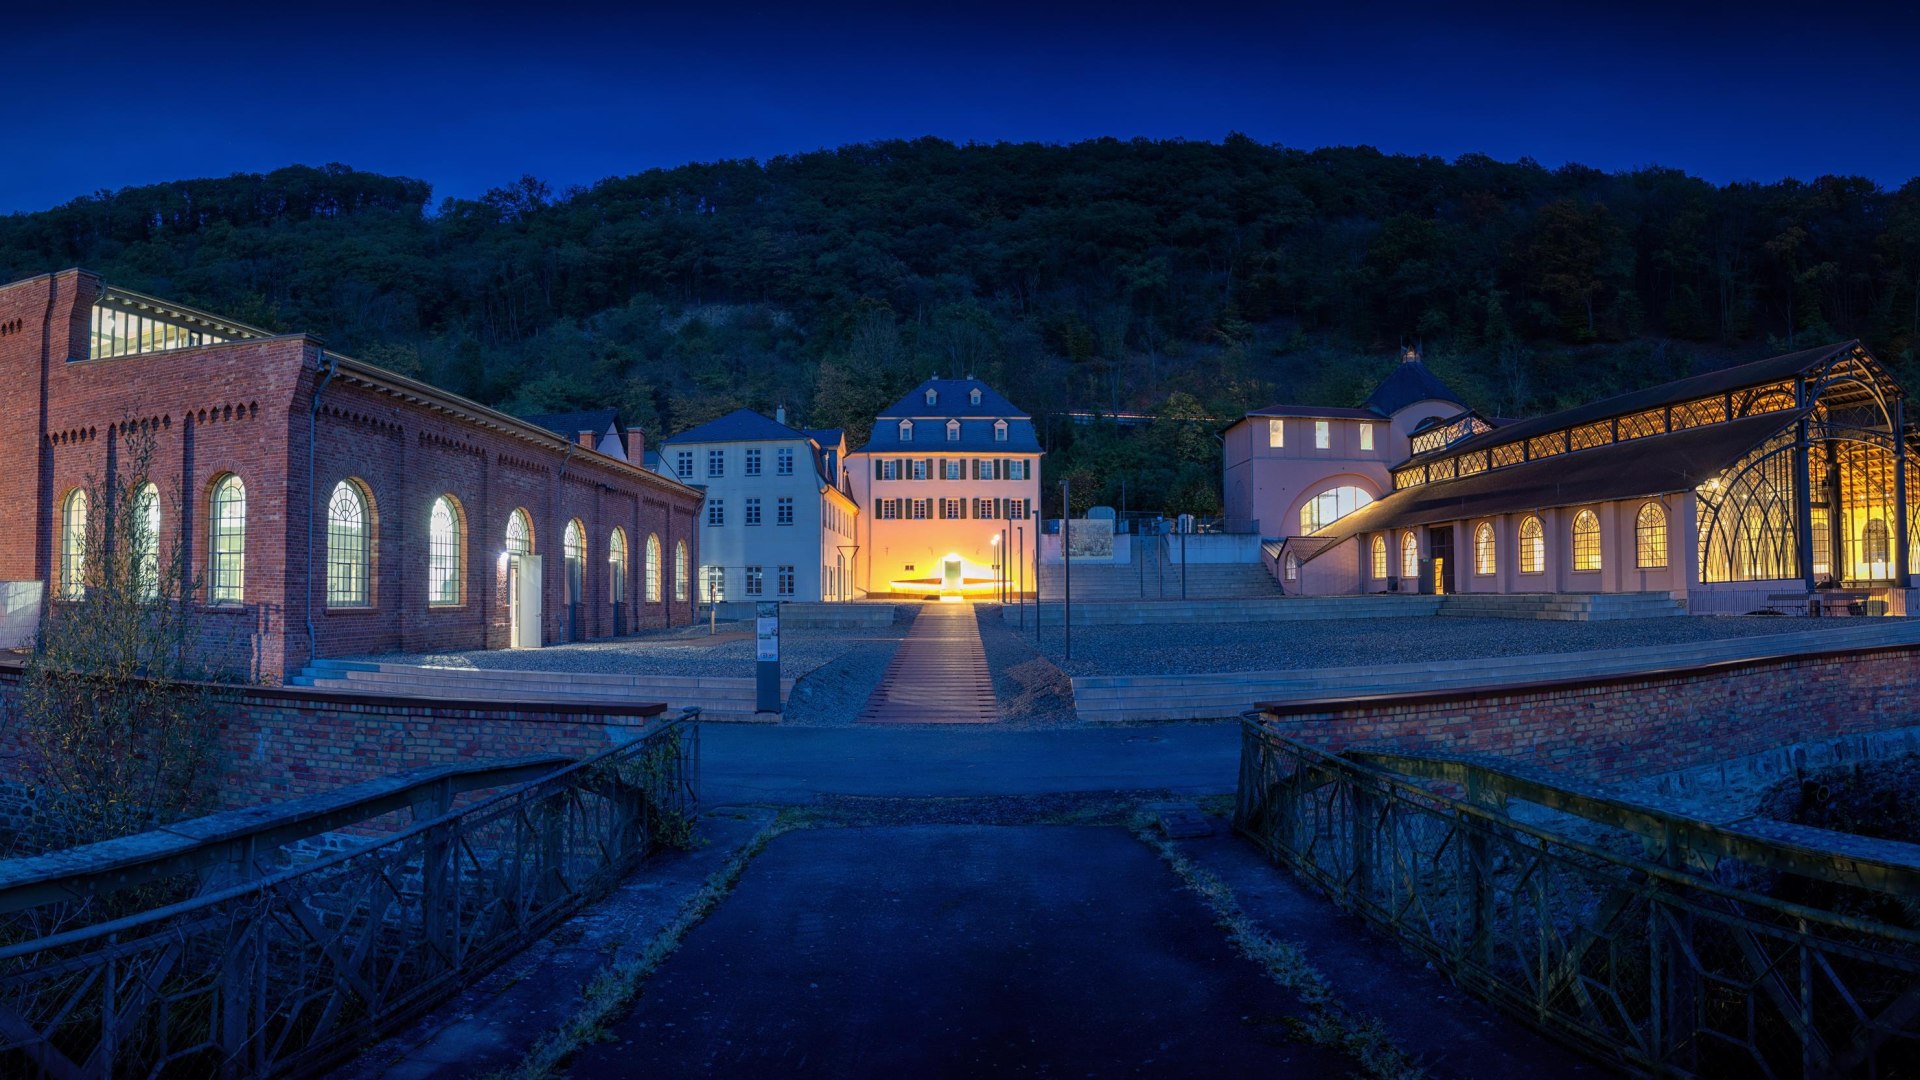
1130,581
1561,607
1225,694
717,698
1262,609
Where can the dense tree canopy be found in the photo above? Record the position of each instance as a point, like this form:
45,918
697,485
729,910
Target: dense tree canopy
1183,279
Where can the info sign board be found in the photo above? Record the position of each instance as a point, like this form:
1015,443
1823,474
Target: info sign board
766,632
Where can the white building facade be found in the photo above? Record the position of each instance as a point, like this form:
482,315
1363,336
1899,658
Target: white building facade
948,480
778,522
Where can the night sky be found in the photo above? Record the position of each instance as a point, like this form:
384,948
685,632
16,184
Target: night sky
104,98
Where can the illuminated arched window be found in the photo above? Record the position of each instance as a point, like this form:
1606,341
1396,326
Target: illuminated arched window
146,540
680,570
73,545
617,567
1379,556
1586,541
1293,567
227,541
349,550
1650,537
1409,555
446,556
1329,506
1483,553
519,533
653,568
1533,546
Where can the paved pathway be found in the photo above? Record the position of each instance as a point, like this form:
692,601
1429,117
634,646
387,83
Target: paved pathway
938,675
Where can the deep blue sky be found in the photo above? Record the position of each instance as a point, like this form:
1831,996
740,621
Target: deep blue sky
469,99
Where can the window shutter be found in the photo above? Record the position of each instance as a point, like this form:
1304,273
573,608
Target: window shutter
942,473
876,468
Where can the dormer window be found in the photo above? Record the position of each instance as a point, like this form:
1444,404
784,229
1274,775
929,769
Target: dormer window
953,431
933,396
906,431
999,429
974,397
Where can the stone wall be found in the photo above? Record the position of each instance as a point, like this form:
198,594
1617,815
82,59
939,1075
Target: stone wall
1626,727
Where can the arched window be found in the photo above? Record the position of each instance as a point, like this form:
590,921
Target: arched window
1409,555
999,430
146,540
1650,537
1483,554
1876,546
73,545
679,569
617,567
349,553
1293,567
906,431
519,533
445,553
653,568
953,431
227,541
1533,546
1330,506
1380,557
573,548
1586,541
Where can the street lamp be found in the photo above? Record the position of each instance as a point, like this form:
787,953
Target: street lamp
999,566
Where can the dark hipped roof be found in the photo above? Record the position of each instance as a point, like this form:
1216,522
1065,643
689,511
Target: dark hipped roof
1656,465
740,425
570,425
952,397
1331,412
1409,382
1707,384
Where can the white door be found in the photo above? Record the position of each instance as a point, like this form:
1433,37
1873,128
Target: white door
950,580
523,587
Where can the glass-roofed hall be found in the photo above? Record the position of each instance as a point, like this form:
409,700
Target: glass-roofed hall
1786,483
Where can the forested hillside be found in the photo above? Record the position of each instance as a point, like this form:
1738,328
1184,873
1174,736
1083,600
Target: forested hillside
1177,278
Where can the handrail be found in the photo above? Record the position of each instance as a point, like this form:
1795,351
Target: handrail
234,837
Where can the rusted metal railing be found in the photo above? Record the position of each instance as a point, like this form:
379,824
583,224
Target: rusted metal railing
1610,936
275,971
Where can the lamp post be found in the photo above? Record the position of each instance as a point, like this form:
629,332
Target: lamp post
1020,556
1000,564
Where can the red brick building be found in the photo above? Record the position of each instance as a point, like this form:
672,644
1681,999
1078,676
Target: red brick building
329,507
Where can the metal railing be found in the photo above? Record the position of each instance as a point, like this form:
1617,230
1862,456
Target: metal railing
1642,963
285,972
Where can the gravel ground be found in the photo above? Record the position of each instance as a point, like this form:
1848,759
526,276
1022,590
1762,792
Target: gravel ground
1191,648
833,694
1031,690
681,651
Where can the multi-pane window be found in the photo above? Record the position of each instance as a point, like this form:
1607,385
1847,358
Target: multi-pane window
1876,546
713,584
1366,436
1276,432
1293,567
652,568
73,546
1322,435
983,509
1533,546
443,554
752,466
953,509
786,581
617,566
953,431
1822,543
753,581
146,541
1409,555
906,431
889,469
679,569
783,462
349,551
1017,469
886,509
753,511
922,509
1017,509
1586,541
1650,537
919,469
519,533
955,469
1330,506
999,431
783,511
1379,557
1483,552
683,464
716,512
716,463
227,542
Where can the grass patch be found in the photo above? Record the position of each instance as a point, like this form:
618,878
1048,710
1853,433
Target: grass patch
1329,1021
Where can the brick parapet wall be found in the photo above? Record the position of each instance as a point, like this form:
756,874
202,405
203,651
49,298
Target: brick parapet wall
1627,727
284,742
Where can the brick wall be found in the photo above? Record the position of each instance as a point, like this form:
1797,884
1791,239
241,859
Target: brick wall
1624,727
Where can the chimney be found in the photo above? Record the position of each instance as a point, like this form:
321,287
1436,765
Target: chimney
780,414
636,445
589,439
